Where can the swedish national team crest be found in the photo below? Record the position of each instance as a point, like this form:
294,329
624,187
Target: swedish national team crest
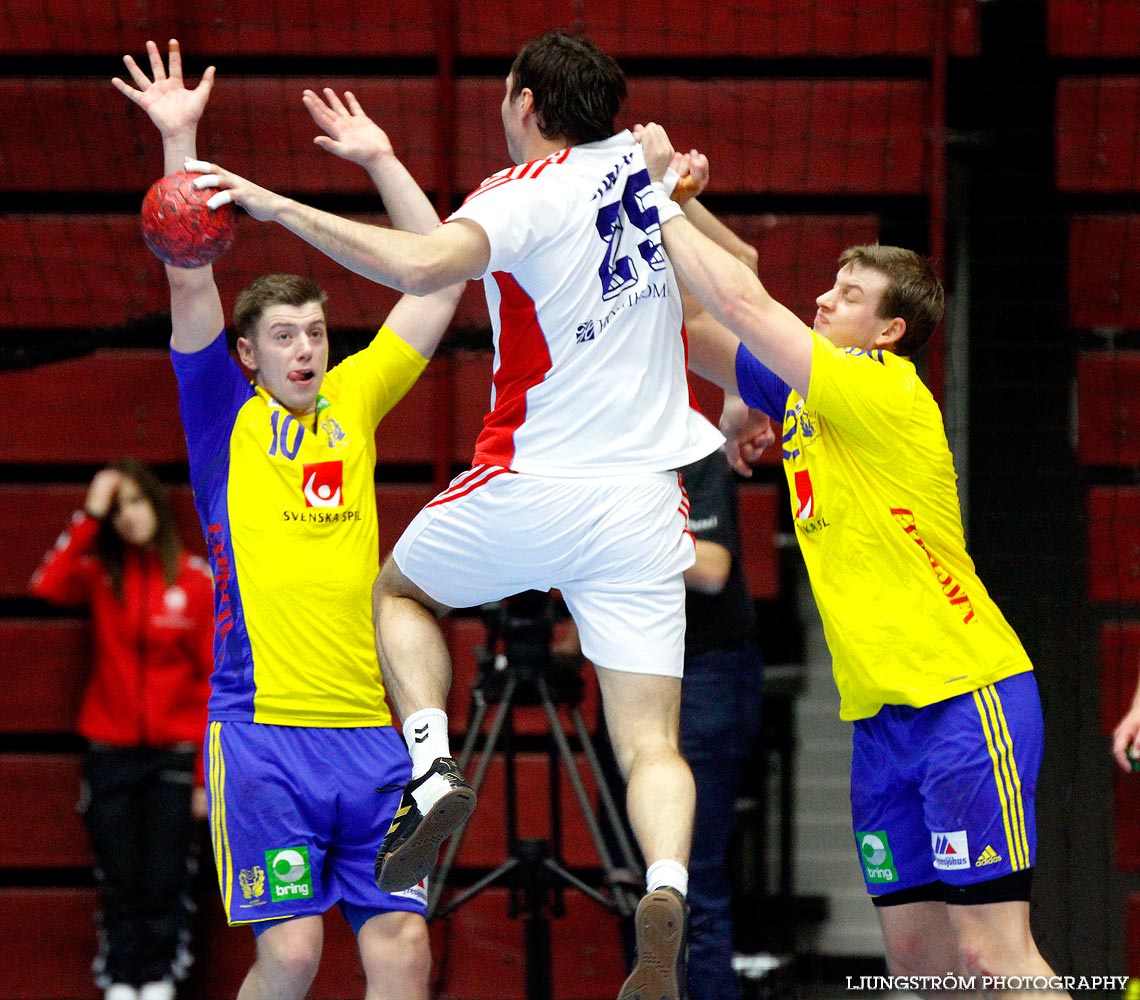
252,882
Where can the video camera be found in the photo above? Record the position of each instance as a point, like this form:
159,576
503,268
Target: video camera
519,634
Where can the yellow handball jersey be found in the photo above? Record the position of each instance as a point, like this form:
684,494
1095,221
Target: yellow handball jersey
875,508
288,507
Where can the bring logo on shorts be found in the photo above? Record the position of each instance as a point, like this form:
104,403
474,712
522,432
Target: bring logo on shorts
875,855
289,874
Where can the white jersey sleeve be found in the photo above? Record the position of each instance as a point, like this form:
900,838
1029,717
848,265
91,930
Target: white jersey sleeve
516,218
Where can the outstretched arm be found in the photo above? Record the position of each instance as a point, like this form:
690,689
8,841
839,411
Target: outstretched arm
729,291
407,262
352,135
195,306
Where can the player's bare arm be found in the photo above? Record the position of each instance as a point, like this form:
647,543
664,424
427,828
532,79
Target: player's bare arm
352,135
712,348
407,262
195,306
726,288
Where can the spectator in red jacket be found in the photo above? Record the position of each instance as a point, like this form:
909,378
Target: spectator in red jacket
143,715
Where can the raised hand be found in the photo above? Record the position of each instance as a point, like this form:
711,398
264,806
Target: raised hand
101,492
692,170
351,134
171,106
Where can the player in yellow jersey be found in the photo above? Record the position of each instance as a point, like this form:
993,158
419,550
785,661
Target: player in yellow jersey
283,475
947,720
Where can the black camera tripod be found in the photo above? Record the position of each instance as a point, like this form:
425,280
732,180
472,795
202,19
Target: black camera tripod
516,667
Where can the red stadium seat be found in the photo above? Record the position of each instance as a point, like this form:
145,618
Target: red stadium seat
44,663
1119,668
1114,544
1097,145
1108,429
1125,808
760,29
1104,272
74,428
1096,28
49,937
763,29
799,254
1132,934
484,842
814,136
759,525
762,136
249,28
480,953
39,825
244,113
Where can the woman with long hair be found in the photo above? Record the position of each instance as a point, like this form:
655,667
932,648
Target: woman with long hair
143,715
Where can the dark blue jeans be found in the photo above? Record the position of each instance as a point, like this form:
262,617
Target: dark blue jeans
720,716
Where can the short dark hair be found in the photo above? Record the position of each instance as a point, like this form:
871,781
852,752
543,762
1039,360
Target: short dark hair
274,290
913,291
578,89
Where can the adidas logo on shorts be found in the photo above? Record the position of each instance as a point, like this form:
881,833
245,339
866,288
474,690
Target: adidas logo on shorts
988,857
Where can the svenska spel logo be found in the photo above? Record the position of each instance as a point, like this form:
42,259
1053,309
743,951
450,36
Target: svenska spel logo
289,874
875,855
323,484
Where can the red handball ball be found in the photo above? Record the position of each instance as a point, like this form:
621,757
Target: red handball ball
178,227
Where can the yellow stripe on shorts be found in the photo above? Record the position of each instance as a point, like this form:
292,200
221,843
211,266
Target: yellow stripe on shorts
219,836
1008,782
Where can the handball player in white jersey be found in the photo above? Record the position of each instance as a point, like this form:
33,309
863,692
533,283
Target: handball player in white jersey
573,484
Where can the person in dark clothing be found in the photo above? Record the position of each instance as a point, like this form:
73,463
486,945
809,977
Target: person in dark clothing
720,714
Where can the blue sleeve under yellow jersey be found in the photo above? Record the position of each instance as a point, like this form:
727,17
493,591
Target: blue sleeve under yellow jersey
875,506
288,507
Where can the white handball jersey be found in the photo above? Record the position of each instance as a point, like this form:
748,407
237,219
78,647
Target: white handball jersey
590,358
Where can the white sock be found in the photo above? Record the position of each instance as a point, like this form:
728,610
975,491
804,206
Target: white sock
425,732
671,874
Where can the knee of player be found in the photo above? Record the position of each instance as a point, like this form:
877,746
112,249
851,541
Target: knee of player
293,949
907,952
397,949
998,951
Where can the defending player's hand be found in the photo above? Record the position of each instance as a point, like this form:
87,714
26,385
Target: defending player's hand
1126,738
351,134
261,203
656,147
747,434
171,106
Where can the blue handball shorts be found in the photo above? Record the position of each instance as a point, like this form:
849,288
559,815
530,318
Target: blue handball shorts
945,793
296,820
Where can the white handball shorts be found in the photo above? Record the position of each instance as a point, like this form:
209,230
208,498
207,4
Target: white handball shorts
615,546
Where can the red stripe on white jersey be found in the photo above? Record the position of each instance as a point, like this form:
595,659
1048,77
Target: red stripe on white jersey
685,504
468,482
524,361
524,171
